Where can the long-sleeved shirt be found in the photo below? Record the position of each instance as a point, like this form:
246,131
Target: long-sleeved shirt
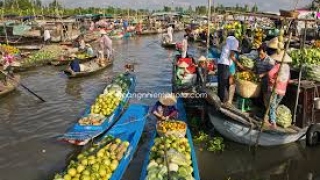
283,79
105,43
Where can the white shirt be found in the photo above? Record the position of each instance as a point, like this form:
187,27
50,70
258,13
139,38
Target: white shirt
169,30
184,44
46,34
224,57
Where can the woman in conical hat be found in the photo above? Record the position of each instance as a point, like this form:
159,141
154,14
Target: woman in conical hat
165,109
278,78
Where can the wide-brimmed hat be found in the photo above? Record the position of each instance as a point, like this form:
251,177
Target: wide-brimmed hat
202,58
73,55
279,55
168,99
273,43
103,32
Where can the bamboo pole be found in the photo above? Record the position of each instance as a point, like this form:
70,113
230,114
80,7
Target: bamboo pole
208,33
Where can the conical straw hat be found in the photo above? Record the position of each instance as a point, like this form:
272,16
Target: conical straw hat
168,99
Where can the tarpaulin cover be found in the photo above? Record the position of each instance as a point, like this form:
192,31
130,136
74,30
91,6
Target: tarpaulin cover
20,29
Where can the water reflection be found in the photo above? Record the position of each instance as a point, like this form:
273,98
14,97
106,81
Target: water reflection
73,88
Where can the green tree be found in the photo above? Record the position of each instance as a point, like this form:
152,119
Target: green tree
166,8
246,8
254,8
55,4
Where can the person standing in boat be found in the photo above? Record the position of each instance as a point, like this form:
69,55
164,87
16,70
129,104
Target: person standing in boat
263,65
105,44
170,33
165,108
184,47
8,63
46,36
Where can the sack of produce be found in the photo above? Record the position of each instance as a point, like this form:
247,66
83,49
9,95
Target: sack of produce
92,119
248,85
174,127
284,116
247,61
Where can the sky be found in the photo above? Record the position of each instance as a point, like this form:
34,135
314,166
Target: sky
264,5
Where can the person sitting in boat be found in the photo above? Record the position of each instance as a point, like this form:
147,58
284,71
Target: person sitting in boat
263,65
105,44
74,64
81,43
186,73
165,108
205,68
279,77
89,50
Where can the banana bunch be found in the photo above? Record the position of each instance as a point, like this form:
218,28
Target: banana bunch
258,36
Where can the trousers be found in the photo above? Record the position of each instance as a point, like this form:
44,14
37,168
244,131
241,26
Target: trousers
223,82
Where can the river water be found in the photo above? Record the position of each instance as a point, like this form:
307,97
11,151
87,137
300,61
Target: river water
29,149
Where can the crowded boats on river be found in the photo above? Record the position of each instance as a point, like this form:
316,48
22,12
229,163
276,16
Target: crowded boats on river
259,88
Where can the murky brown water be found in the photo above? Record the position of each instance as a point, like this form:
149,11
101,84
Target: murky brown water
28,128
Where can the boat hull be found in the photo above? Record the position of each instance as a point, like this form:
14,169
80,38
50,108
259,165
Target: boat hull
84,74
242,134
12,85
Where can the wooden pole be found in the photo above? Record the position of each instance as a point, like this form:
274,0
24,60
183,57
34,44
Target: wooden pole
208,33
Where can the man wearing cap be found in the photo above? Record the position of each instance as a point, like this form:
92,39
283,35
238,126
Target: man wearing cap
278,78
105,44
165,109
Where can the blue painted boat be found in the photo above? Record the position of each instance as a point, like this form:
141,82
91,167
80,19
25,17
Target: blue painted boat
182,116
82,134
129,128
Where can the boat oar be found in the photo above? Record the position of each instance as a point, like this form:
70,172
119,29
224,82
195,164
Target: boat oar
25,87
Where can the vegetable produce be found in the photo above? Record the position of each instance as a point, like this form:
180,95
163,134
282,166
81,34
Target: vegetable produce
258,37
10,49
123,81
313,72
247,76
284,116
306,56
247,61
213,144
170,157
98,162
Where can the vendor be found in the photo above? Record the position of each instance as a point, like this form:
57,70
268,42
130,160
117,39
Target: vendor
278,78
89,51
186,72
8,63
75,64
184,47
263,65
81,43
165,108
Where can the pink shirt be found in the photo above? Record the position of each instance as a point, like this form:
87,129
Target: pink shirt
283,79
105,43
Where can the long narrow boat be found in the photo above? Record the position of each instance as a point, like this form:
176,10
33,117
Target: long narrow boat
67,61
183,117
29,47
72,74
11,86
118,145
82,134
128,128
169,45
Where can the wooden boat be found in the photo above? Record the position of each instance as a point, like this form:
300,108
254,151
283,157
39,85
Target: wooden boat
244,128
72,74
169,45
129,128
149,32
11,86
67,61
183,117
82,134
20,40
29,47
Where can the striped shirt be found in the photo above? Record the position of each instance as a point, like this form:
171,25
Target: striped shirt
265,65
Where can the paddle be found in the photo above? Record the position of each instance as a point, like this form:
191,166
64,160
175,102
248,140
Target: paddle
23,86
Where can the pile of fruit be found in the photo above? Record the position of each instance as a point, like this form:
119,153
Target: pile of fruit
170,157
92,119
310,56
247,76
172,127
96,163
44,55
10,49
247,61
123,81
105,104
258,37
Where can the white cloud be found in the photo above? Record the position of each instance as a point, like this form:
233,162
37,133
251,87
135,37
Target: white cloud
265,5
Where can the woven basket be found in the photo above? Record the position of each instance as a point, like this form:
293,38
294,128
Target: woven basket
247,89
292,14
180,133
